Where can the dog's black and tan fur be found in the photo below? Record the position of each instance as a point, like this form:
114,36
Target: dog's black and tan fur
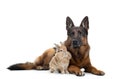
77,45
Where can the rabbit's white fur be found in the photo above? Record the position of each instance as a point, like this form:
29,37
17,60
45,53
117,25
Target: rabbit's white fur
60,61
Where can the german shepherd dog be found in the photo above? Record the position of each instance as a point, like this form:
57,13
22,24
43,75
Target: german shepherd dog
77,45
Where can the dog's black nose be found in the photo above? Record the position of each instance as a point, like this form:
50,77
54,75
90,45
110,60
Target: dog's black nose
75,43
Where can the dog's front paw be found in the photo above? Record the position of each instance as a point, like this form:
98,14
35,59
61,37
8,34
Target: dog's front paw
81,73
75,70
101,73
98,72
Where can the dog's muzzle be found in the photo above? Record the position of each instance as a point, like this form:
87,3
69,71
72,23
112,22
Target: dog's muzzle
76,43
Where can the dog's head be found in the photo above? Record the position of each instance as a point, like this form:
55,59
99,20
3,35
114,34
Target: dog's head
77,36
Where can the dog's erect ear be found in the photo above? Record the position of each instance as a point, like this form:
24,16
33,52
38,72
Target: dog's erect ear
69,23
85,23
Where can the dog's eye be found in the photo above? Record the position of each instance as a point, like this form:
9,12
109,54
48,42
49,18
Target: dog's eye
72,33
79,32
84,32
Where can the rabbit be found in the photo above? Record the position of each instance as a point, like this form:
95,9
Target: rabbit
60,61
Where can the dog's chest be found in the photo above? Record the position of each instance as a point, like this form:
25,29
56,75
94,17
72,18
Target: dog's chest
78,61
79,58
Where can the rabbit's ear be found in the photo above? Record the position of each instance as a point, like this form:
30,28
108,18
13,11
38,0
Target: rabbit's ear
57,46
61,43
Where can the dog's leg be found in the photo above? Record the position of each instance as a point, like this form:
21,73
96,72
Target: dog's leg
75,70
93,70
42,62
39,67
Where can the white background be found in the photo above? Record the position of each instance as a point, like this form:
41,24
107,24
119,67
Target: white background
29,27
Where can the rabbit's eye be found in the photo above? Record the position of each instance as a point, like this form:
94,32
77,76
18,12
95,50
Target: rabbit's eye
60,50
